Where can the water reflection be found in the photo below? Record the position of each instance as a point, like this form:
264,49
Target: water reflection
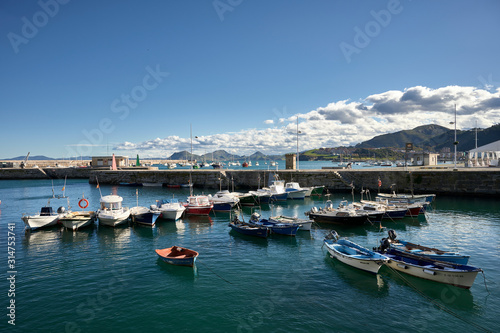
184,273
368,283
444,294
80,235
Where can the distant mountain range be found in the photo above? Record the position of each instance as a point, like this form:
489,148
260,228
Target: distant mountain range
431,138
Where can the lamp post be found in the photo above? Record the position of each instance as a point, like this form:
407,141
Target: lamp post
298,132
455,143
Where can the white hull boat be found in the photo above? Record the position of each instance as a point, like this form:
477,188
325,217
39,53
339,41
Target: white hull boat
78,220
112,213
171,210
46,218
353,255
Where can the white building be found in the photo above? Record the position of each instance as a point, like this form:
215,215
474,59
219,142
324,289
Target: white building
484,156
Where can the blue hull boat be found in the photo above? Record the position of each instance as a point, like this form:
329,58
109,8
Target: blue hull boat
249,229
276,227
222,207
423,251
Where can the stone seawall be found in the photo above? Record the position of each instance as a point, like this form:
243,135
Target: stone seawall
464,181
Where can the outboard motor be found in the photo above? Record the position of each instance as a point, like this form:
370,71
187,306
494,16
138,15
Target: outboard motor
392,234
61,210
255,217
385,243
332,235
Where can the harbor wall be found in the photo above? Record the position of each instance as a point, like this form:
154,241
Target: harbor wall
463,181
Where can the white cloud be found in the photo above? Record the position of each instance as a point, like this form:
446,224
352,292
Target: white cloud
345,123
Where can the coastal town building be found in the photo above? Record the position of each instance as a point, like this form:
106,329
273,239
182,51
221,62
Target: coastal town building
484,156
107,161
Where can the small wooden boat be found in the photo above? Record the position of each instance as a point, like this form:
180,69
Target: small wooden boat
462,276
177,255
421,250
353,254
249,229
78,220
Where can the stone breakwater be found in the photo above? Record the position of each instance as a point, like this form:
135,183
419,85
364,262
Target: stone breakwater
464,181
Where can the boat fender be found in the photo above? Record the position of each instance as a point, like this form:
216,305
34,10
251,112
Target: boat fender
392,234
83,203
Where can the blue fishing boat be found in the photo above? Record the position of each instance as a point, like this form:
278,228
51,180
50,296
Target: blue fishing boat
417,249
144,215
249,229
276,227
223,201
177,255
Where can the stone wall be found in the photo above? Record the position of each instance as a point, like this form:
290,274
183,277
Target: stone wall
473,182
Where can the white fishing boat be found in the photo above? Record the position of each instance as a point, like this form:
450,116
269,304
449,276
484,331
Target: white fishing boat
295,191
78,220
353,254
171,209
111,212
46,218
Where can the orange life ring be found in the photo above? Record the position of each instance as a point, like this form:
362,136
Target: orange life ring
85,201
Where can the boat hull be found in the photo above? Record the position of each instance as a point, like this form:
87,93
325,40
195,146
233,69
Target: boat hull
148,219
279,196
198,210
172,214
335,219
113,219
261,232
297,195
78,220
36,221
462,276
366,263
178,256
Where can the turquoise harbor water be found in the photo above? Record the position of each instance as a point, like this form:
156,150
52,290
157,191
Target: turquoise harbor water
104,279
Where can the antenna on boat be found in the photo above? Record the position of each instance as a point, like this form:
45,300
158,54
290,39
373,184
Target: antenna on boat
97,180
64,188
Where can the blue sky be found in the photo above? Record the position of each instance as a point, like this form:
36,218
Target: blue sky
91,77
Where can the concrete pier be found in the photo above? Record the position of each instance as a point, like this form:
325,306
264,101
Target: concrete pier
463,181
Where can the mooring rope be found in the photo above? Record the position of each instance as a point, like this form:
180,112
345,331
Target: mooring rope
441,306
220,277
